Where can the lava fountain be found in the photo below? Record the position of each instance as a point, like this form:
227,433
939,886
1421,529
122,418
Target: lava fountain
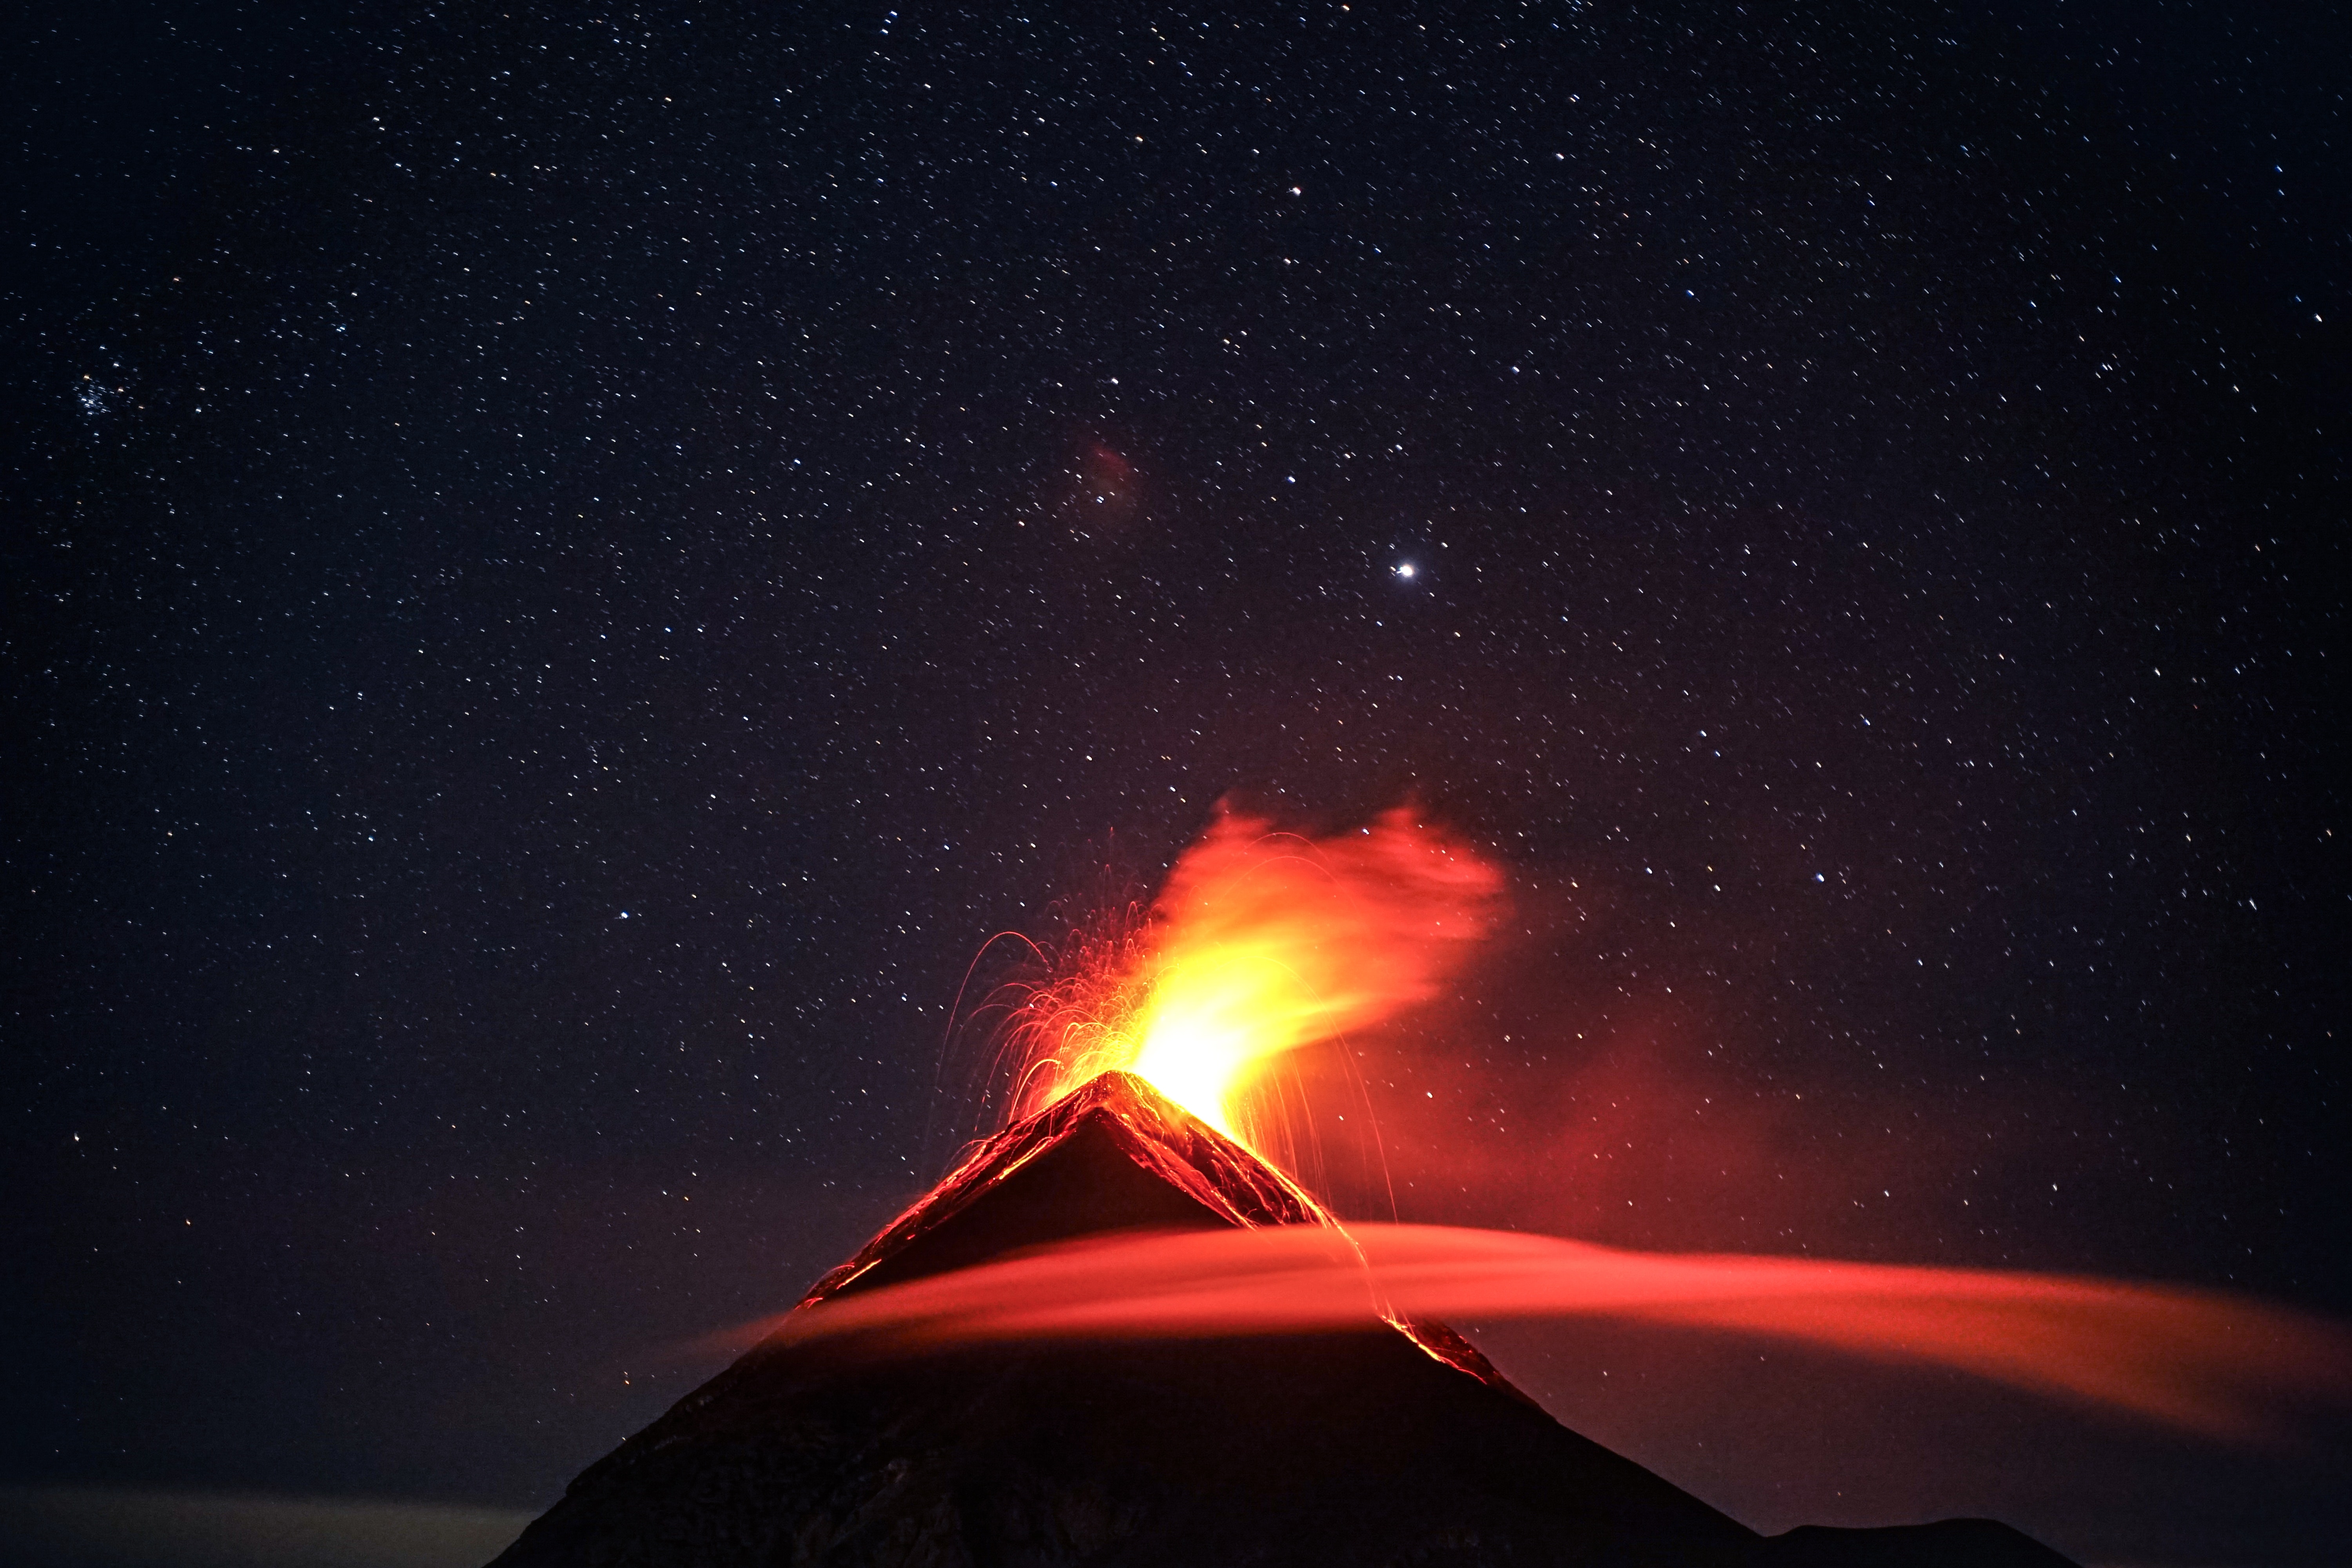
1259,944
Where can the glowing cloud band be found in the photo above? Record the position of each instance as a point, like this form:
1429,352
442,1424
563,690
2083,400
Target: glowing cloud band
2205,1360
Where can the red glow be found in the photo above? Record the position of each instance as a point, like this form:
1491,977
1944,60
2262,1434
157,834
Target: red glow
2204,1361
1259,944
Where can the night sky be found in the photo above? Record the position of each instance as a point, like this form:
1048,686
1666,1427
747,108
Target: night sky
565,570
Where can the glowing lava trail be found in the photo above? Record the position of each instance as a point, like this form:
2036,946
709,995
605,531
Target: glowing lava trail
1260,943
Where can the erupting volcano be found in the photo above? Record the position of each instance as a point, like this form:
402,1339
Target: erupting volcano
1056,1356
1380,1443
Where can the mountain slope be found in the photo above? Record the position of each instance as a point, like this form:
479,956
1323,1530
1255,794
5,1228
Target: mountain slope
1382,1445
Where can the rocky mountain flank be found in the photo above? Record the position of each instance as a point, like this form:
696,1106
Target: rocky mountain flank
1371,1447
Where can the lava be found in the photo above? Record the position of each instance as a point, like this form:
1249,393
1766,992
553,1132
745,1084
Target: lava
1259,944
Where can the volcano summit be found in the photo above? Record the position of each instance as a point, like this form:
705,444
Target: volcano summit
1392,1442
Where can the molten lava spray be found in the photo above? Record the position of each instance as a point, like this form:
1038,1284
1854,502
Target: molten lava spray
1259,944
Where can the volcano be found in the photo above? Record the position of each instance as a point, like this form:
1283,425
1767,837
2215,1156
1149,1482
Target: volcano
1394,1443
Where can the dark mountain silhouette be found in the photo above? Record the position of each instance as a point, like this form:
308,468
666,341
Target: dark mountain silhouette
1378,1445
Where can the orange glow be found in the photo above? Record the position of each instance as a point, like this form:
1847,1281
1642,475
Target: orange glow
1259,944
2202,1360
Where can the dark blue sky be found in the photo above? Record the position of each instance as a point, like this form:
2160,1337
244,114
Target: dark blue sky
565,570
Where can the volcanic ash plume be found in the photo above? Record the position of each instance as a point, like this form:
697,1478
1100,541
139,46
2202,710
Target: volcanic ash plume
1260,943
